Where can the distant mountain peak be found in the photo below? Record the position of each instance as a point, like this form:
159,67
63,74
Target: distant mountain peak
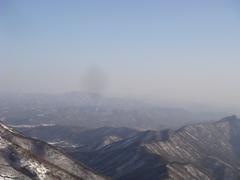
230,118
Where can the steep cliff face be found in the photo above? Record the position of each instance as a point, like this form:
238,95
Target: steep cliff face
200,151
26,158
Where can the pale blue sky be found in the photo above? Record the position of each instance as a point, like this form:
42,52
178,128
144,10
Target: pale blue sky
183,50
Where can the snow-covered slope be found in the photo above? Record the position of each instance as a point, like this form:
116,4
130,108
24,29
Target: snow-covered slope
26,158
200,151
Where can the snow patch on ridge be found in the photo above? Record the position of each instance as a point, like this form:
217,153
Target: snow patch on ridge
7,128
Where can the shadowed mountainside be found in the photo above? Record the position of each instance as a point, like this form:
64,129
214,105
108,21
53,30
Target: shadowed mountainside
200,151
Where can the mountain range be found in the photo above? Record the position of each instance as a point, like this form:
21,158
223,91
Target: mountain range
208,150
88,110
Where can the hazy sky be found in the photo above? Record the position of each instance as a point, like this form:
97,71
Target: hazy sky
181,50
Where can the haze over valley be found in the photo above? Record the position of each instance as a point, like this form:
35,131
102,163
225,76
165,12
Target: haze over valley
122,90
